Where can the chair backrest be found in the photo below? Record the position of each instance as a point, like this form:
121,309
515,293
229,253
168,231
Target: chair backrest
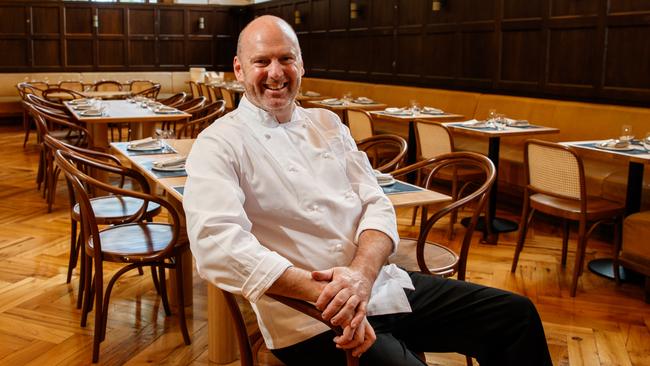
554,169
58,106
192,104
149,92
75,166
386,152
72,85
211,112
438,165
136,86
247,342
360,123
433,139
107,85
25,88
228,97
47,121
215,93
194,88
61,94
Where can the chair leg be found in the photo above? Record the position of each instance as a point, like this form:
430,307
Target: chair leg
72,261
526,217
454,214
565,240
580,253
107,296
27,126
163,290
82,279
154,277
89,289
99,315
180,293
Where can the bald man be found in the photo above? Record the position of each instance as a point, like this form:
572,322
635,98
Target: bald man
279,200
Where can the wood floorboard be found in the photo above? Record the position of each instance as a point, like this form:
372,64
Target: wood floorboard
604,324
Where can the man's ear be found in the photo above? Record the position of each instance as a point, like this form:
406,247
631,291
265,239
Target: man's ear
236,65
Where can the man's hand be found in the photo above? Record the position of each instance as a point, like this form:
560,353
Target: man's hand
358,340
344,299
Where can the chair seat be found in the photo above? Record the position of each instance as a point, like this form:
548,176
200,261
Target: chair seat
114,209
597,208
137,240
440,260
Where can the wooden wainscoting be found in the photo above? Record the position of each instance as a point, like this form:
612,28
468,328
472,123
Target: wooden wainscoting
39,324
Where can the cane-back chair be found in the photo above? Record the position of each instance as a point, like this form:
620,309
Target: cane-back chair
359,123
556,186
229,98
136,86
133,242
61,94
72,85
107,85
151,93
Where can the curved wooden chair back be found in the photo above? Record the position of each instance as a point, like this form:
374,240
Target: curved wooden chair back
555,170
151,93
107,85
249,343
192,105
359,123
386,152
195,89
174,100
138,85
447,265
55,107
72,85
215,93
153,244
212,112
229,98
61,94
25,88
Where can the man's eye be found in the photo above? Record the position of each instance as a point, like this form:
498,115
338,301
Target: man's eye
260,62
287,60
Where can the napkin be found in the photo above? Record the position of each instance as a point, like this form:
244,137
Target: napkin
331,101
164,109
383,177
615,143
310,93
144,143
516,122
364,100
79,101
394,110
166,163
91,111
474,123
431,110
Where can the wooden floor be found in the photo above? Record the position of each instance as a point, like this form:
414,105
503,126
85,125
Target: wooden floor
39,323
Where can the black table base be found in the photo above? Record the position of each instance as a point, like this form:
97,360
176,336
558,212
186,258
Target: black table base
605,267
499,225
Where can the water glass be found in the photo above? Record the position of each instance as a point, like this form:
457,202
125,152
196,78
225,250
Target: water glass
626,133
646,141
415,106
160,134
500,121
347,96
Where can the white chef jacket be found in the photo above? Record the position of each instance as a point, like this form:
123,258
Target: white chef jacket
262,196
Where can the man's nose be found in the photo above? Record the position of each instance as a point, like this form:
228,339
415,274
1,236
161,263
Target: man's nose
275,70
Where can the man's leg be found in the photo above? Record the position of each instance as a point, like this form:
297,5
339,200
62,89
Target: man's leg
495,326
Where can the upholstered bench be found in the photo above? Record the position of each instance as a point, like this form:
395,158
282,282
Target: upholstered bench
635,250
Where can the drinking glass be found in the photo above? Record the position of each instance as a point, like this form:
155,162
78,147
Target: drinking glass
646,141
347,96
500,121
415,106
626,133
160,134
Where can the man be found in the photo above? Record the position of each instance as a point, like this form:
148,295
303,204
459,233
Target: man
279,200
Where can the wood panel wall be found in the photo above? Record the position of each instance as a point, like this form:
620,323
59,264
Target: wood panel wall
63,36
596,50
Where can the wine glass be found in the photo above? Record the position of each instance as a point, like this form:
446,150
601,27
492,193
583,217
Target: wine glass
347,97
500,121
626,133
415,106
646,141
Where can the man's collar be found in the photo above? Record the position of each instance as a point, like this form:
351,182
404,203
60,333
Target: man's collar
254,113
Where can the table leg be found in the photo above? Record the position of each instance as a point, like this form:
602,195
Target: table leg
411,153
498,225
222,342
605,266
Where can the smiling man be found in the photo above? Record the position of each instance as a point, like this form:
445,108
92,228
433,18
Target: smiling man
279,200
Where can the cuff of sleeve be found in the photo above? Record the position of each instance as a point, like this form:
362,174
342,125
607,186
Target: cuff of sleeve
264,275
370,224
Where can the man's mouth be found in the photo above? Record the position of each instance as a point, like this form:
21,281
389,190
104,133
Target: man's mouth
275,87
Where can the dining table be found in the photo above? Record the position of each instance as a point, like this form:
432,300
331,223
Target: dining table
494,135
409,117
142,120
99,94
636,156
222,346
339,106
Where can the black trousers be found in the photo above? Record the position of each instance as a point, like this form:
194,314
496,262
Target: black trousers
495,327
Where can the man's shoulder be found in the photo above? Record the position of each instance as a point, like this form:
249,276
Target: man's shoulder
224,127
323,118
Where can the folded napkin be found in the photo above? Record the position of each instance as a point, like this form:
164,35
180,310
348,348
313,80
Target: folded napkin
164,108
81,107
79,101
474,123
383,177
394,110
331,101
431,110
91,111
516,122
364,100
147,142
615,143
171,162
310,93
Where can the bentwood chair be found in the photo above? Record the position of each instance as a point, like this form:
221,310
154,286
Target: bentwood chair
556,186
359,123
385,152
133,242
434,258
72,85
191,106
435,139
197,124
61,94
138,85
174,100
108,209
229,98
195,89
151,93
107,85
250,341
214,93
25,89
